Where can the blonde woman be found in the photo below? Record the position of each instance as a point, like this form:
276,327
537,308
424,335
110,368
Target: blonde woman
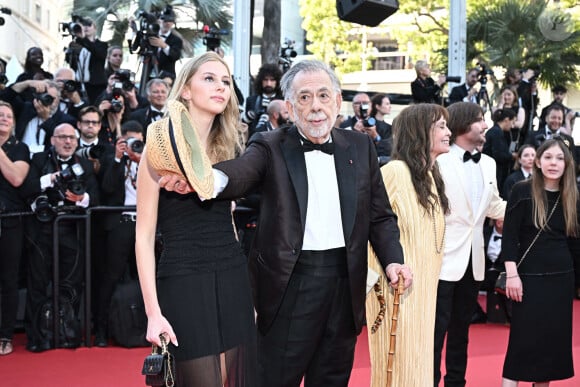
198,296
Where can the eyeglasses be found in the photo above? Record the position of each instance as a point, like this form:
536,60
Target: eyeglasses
90,122
64,137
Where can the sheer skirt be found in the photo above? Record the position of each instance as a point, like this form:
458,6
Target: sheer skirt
238,365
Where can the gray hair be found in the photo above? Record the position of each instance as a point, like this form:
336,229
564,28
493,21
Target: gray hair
156,81
306,66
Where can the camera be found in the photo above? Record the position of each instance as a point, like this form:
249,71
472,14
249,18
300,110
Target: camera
70,86
148,27
43,210
44,98
3,79
364,113
451,78
135,144
92,152
73,27
125,78
483,73
577,114
116,105
71,179
212,37
287,54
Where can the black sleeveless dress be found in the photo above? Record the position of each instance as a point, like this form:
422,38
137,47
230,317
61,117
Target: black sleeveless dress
203,286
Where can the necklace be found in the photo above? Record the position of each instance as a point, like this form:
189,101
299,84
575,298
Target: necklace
438,246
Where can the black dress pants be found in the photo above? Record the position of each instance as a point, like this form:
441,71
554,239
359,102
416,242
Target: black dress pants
11,239
313,336
456,303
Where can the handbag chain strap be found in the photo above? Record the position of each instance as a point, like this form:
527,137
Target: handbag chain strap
169,378
539,232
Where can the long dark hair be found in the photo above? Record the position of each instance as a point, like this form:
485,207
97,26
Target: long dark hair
567,185
412,144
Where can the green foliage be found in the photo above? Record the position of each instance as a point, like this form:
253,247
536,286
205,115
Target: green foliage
331,39
514,34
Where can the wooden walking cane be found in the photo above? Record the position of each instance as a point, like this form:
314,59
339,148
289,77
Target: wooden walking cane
393,333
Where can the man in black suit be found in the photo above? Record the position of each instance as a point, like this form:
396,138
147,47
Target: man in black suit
466,92
168,46
90,63
36,120
157,91
553,127
118,188
46,183
323,199
379,131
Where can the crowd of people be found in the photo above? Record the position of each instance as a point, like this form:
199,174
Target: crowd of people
282,296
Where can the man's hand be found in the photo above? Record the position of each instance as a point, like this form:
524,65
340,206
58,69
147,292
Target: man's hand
156,41
393,271
42,111
120,148
175,183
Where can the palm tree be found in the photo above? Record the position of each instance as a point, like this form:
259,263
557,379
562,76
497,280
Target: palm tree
270,48
514,34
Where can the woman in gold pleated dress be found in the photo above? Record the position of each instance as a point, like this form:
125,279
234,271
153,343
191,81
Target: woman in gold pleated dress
416,192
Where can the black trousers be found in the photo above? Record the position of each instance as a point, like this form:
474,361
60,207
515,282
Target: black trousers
11,239
40,264
313,335
120,250
456,303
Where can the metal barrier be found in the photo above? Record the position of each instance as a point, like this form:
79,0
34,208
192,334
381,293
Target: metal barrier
87,217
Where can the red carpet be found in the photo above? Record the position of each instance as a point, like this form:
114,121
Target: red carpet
113,366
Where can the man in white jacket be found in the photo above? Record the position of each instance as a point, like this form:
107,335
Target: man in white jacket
470,185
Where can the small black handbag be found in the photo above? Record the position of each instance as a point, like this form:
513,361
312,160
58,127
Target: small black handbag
500,282
159,367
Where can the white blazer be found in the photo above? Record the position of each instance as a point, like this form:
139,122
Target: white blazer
463,227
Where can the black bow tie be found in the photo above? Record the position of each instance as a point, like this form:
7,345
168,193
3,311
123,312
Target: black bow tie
327,147
88,145
468,156
496,237
155,114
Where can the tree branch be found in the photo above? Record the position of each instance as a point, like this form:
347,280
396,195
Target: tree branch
440,27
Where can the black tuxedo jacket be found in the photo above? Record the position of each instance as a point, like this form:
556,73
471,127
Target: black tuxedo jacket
98,50
167,62
45,162
425,91
275,162
497,146
458,93
510,181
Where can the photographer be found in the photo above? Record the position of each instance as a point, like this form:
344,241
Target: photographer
14,166
553,128
115,112
58,182
168,46
122,81
379,131
466,92
424,89
36,120
90,148
114,60
90,62
267,86
528,93
559,94
71,101
119,189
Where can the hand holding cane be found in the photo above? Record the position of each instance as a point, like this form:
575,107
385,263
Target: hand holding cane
393,333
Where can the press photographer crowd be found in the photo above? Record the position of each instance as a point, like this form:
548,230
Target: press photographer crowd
72,141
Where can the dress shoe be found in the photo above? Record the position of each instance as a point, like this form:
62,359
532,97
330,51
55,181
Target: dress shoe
100,340
38,346
6,347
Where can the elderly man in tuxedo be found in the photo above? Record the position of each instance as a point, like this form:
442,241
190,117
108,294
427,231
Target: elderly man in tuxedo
470,185
323,199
